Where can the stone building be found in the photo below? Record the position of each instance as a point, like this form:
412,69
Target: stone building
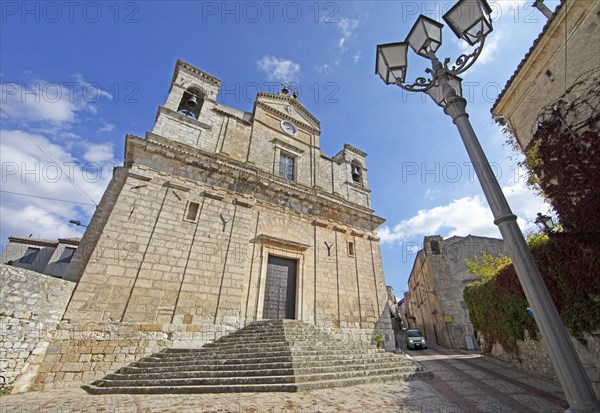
221,217
552,106
435,303
52,257
217,219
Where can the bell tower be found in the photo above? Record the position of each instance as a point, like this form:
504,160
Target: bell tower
187,115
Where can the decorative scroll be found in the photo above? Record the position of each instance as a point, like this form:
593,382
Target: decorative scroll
421,84
464,61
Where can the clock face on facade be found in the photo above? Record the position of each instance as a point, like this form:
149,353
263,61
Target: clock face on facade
288,127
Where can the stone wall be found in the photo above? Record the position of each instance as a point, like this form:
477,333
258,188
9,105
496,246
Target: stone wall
436,286
554,64
534,358
31,306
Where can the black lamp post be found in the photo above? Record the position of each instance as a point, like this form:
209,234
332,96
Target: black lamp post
544,222
470,20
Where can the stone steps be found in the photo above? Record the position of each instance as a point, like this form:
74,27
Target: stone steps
240,353
269,356
242,368
259,370
126,381
262,388
208,367
275,358
139,374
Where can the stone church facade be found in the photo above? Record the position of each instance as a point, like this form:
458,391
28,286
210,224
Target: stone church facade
219,218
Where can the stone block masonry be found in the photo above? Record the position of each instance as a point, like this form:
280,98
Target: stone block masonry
181,249
31,307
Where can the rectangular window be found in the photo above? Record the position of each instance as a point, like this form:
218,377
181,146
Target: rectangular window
191,213
286,166
351,248
67,255
29,255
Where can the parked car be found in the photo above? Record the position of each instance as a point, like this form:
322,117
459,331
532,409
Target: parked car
414,339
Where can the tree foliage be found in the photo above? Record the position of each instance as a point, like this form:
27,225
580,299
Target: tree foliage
486,266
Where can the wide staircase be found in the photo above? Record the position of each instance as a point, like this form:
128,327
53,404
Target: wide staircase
266,356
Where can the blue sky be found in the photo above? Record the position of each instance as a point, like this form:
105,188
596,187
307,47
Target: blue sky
77,76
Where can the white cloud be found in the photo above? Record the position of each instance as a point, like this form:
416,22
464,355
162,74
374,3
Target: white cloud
357,56
431,194
324,69
278,69
488,54
55,105
57,186
107,127
346,27
91,91
464,216
37,221
37,102
98,153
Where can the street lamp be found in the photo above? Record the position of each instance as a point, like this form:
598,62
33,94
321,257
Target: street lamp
77,222
470,20
544,222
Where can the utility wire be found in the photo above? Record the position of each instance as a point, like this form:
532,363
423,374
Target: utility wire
45,197
48,158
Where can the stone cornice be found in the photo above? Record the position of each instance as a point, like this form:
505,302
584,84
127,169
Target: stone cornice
269,240
173,185
286,146
355,150
291,100
285,116
186,66
358,187
231,115
139,177
244,172
182,118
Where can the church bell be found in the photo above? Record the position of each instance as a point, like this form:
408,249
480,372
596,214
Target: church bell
192,102
355,173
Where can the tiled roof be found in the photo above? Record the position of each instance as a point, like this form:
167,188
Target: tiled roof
73,241
533,46
35,241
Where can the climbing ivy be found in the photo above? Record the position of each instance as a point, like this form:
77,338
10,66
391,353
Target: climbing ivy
569,265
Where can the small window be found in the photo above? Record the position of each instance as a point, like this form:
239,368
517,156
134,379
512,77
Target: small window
435,247
191,213
67,255
351,248
286,166
29,255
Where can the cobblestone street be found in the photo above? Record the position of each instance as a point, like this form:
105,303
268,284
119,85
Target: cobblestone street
464,382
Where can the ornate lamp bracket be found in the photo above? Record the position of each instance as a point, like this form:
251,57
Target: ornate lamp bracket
421,84
465,61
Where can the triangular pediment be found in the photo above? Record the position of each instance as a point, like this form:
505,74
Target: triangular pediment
288,107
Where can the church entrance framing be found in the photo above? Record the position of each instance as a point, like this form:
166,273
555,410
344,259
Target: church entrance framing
280,288
280,285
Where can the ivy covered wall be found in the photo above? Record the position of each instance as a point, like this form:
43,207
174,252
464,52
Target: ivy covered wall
564,154
570,267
